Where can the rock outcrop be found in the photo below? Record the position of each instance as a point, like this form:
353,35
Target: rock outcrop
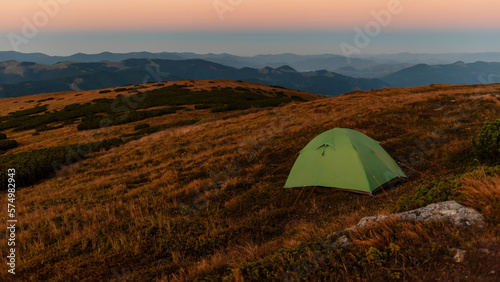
445,211
459,255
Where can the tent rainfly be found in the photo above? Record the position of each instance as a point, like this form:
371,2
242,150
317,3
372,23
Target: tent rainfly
346,159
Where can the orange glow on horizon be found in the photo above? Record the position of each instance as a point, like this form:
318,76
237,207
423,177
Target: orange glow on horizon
258,15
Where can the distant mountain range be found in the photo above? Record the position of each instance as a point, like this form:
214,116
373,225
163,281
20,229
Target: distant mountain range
299,62
23,74
432,59
330,62
457,73
23,78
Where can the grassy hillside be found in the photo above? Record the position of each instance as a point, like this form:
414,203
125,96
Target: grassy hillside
197,194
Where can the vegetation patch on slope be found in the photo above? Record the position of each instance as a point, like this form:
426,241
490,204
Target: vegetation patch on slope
105,112
40,164
206,201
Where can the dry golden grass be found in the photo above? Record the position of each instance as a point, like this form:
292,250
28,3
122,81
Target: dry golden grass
483,193
68,134
205,198
61,99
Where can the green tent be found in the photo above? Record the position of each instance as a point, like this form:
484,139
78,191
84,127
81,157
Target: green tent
346,159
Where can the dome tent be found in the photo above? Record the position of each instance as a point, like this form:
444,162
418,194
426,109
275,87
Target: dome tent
346,159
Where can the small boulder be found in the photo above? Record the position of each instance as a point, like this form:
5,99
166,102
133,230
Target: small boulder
342,242
459,255
369,220
444,211
484,251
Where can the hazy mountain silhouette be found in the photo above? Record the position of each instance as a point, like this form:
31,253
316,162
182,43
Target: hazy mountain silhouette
329,62
20,79
376,71
298,62
432,59
456,73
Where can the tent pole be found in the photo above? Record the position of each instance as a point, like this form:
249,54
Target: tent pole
433,163
413,169
380,186
311,193
306,184
298,196
383,189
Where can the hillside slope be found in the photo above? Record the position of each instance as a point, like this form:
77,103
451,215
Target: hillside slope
205,201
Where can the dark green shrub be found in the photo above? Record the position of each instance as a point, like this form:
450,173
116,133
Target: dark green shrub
428,193
101,100
47,128
141,126
95,122
3,136
31,111
220,108
487,144
43,100
72,107
40,164
297,98
224,99
7,144
122,89
203,106
69,121
239,88
104,91
161,127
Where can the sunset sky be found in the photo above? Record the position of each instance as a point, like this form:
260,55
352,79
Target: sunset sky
249,27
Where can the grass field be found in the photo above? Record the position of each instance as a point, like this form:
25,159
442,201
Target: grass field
200,197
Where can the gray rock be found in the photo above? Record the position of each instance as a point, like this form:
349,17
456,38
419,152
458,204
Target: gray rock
369,220
485,251
459,255
334,234
343,242
444,211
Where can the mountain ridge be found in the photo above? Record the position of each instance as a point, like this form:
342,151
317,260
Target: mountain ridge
458,72
299,62
32,78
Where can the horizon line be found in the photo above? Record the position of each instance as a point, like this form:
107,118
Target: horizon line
258,54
